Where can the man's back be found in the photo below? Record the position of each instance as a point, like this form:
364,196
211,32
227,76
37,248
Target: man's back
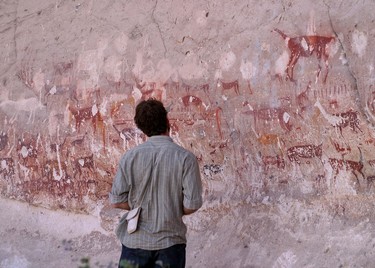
164,180
164,173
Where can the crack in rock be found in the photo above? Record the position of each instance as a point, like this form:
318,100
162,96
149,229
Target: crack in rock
353,76
158,26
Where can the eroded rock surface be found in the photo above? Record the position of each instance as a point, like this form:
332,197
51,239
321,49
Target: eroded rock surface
276,100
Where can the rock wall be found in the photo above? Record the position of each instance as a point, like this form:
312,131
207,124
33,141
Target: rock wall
276,100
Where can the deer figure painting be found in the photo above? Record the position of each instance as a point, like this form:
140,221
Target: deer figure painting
306,46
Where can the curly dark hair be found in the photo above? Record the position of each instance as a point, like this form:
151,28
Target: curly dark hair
151,117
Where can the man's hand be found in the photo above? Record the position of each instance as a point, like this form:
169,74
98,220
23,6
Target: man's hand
124,205
188,211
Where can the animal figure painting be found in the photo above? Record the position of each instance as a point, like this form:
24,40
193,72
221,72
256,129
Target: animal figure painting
306,46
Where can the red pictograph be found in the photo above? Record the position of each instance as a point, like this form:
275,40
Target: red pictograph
306,46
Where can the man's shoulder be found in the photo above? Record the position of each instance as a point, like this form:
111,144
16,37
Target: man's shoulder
134,150
183,151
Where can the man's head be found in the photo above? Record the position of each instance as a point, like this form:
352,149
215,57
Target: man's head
151,117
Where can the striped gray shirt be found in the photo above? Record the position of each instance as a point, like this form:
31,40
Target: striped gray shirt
165,177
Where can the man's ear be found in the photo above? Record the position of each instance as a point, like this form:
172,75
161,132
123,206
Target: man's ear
168,126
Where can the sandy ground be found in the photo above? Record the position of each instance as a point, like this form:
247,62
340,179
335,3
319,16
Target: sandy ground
36,237
288,234
322,233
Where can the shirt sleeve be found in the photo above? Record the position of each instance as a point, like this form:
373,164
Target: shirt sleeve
120,186
192,184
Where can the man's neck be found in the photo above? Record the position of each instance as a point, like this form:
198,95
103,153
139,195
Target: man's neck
162,134
165,134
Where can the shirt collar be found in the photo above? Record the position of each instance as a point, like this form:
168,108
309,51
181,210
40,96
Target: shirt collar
160,138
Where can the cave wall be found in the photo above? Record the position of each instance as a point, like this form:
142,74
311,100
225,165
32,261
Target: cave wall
276,99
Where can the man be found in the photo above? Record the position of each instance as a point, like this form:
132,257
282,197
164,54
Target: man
164,180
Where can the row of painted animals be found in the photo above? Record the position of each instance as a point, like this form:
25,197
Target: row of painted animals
296,153
299,46
52,169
